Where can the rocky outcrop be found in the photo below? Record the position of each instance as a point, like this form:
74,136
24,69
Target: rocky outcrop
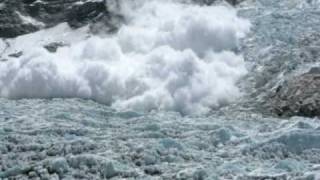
299,95
26,16
209,2
11,22
52,47
234,2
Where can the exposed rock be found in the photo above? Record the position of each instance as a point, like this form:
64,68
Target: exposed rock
234,2
299,96
16,55
22,17
82,14
53,47
11,21
75,12
209,2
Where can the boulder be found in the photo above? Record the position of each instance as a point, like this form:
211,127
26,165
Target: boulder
53,47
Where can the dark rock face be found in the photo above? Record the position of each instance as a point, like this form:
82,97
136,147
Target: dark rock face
80,15
26,16
11,24
234,2
53,47
299,96
209,2
16,55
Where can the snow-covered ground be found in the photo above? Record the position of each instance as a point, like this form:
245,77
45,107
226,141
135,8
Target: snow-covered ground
177,93
82,139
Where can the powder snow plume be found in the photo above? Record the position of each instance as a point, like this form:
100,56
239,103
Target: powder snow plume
169,55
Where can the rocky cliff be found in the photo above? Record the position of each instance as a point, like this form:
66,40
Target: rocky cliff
26,16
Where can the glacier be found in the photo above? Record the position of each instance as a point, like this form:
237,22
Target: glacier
180,91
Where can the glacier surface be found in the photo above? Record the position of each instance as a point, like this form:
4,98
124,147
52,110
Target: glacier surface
178,93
